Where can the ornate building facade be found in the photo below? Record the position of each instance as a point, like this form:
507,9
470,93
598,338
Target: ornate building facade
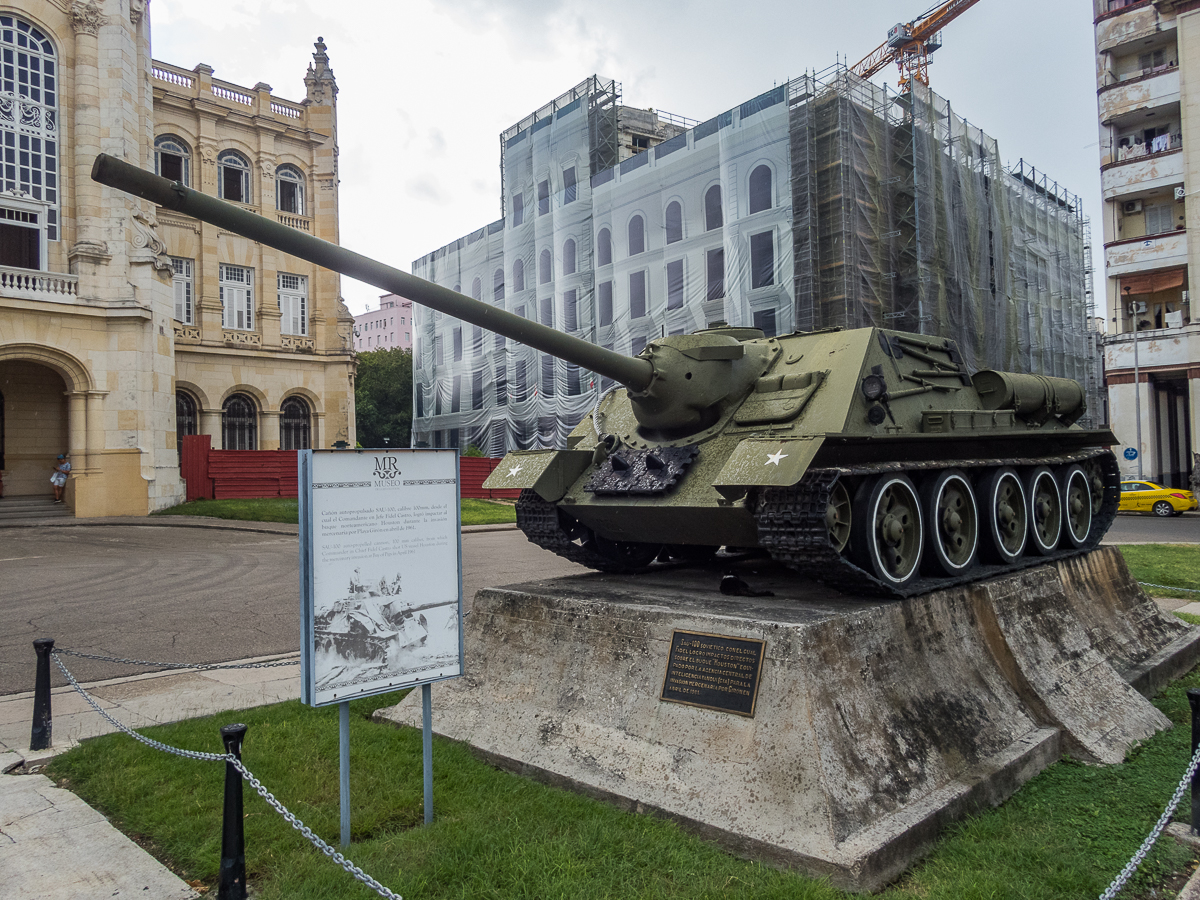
124,327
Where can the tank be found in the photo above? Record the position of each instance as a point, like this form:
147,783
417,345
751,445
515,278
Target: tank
869,459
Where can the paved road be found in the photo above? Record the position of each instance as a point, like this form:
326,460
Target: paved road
207,595
1132,528
181,594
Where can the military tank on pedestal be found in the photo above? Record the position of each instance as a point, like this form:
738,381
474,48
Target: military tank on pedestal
869,459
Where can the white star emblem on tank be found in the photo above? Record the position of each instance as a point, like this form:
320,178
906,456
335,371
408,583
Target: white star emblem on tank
774,458
513,471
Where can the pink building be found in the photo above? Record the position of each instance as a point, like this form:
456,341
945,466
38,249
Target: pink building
385,328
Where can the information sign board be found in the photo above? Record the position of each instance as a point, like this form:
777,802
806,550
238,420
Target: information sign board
380,571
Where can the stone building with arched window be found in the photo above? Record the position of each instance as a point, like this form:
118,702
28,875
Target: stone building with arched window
124,327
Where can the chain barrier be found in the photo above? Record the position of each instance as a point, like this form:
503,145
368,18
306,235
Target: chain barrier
1169,587
1132,866
349,867
204,667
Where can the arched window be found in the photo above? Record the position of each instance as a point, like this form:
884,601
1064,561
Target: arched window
289,190
239,423
29,129
760,189
477,289
604,248
637,235
545,269
712,208
186,419
569,256
518,276
498,285
233,177
173,159
674,222
295,429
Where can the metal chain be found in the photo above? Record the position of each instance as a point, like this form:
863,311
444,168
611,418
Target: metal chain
1132,865
149,742
163,665
348,866
1169,587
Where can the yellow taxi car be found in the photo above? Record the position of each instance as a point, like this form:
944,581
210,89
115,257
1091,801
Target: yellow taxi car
1146,496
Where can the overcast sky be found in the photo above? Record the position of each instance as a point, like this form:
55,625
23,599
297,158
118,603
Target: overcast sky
425,87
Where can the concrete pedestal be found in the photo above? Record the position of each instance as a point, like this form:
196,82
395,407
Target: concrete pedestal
877,722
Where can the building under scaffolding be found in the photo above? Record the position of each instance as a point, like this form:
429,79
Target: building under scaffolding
828,201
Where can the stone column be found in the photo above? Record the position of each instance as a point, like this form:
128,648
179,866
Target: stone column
268,423
77,437
210,424
90,249
316,435
95,430
1194,409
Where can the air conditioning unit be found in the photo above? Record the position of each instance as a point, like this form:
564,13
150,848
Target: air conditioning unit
1129,207
1180,193
1138,307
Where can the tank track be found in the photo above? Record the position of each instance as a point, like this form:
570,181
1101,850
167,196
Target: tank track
543,525
791,524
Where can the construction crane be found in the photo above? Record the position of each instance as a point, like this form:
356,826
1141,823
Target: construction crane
909,44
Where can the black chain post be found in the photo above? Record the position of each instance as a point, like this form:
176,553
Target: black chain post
1193,696
232,881
40,734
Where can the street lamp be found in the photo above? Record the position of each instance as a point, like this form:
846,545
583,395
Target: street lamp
1137,379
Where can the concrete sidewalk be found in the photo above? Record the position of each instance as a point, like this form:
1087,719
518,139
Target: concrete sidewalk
53,846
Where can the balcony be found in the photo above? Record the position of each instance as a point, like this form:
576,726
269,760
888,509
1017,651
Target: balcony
1139,94
1156,251
1123,23
291,220
1142,171
1177,347
30,284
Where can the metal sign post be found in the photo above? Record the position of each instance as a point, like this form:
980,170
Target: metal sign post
380,584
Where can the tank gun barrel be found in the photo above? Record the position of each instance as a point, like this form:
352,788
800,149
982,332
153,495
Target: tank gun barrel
633,372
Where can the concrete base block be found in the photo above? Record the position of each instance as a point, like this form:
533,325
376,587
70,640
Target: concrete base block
877,722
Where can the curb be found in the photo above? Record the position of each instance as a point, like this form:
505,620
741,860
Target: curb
201,522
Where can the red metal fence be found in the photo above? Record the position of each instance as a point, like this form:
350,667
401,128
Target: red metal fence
242,474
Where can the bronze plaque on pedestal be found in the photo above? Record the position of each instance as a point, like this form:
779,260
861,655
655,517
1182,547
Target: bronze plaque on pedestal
713,671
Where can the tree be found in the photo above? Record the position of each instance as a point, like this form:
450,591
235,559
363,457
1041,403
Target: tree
383,393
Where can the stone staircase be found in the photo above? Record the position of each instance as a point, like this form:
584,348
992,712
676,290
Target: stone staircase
15,509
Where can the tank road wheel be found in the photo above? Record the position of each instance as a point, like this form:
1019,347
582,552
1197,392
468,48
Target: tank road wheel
952,520
838,518
887,530
1005,520
1045,510
1094,471
1076,490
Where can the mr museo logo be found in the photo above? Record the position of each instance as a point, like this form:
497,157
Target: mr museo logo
387,471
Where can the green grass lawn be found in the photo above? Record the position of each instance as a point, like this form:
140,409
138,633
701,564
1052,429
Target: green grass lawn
1175,565
278,509
1063,836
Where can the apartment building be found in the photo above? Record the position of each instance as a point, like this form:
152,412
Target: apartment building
824,202
387,328
1148,79
124,327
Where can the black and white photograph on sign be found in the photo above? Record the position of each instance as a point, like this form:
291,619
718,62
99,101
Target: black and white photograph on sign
385,554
